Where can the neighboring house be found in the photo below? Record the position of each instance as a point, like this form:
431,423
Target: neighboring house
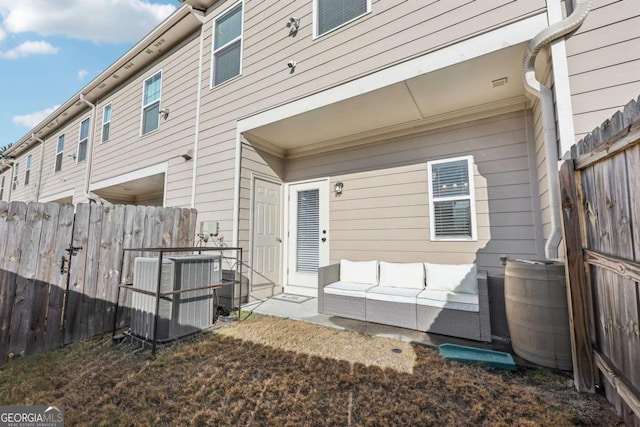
314,130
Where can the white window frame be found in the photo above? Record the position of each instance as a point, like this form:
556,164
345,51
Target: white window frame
223,47
145,106
104,109
16,174
2,187
59,153
27,169
316,22
471,197
82,140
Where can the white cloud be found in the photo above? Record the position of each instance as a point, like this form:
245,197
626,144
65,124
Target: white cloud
82,74
2,34
32,119
29,48
99,21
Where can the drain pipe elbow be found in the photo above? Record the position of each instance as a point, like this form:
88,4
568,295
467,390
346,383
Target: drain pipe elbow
87,180
536,88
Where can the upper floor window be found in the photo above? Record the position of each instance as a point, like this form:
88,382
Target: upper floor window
151,103
59,154
2,188
83,140
106,122
227,45
27,170
451,199
16,172
331,14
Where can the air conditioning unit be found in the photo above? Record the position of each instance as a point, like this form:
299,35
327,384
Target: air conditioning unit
179,314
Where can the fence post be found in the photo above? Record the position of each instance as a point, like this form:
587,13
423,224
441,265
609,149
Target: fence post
582,352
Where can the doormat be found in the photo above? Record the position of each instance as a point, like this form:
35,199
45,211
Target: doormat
298,299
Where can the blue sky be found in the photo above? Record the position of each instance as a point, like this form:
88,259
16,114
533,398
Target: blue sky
50,49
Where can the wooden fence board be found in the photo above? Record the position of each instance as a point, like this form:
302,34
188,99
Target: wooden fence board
584,376
25,282
104,264
45,263
76,270
114,262
57,279
5,289
89,320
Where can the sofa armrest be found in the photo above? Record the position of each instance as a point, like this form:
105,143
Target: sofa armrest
326,275
483,301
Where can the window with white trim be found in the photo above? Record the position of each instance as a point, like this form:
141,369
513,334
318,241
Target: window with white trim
59,154
16,172
451,199
106,122
83,140
27,170
152,89
331,14
2,189
227,45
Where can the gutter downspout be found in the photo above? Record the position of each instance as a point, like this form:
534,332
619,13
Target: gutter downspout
13,165
41,141
196,131
536,88
87,179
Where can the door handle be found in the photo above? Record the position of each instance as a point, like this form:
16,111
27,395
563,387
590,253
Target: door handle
279,240
324,239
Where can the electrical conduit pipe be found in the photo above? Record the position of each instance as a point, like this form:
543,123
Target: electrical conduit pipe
536,88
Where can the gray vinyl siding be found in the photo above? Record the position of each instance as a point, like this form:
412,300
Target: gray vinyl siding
127,151
604,63
393,32
24,193
383,212
72,175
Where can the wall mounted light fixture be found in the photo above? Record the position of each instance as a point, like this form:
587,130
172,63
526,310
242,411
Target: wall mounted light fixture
164,113
293,24
338,187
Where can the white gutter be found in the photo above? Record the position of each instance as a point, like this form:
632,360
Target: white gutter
87,179
543,93
41,141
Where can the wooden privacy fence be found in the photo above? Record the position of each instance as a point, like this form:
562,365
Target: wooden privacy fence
59,269
601,223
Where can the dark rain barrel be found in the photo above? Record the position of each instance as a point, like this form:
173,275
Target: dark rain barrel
535,294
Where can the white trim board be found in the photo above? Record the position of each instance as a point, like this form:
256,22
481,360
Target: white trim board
483,44
58,196
131,176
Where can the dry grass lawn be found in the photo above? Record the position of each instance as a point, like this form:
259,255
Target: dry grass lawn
275,372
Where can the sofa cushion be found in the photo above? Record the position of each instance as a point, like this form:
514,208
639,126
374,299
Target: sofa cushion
402,275
348,289
452,277
451,300
359,272
385,293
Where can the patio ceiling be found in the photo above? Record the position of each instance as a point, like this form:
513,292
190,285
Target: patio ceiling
456,93
146,187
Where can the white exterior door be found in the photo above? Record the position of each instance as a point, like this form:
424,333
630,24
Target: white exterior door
267,236
308,235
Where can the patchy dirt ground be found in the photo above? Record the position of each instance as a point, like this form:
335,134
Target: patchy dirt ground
274,372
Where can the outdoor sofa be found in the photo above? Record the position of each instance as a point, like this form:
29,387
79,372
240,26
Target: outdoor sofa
444,299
